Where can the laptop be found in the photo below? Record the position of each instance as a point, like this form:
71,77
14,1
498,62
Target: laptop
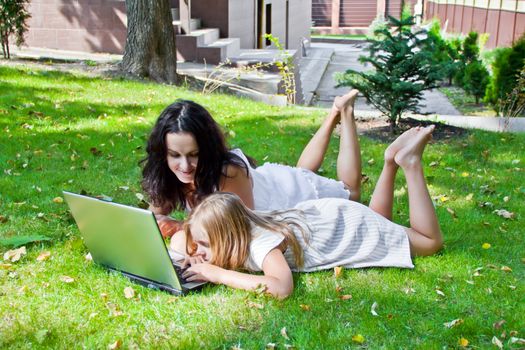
128,240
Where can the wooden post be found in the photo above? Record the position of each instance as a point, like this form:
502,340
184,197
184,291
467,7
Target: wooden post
336,10
185,16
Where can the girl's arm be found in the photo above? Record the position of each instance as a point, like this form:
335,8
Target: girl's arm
277,276
238,182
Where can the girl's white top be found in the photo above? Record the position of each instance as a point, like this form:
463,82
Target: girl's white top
277,186
339,232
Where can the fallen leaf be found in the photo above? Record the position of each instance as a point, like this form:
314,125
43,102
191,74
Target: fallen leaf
440,293
469,196
515,161
67,279
289,347
22,289
270,346
409,290
58,200
129,293
506,199
5,266
463,342
373,309
515,340
14,255
506,268
512,287
504,213
358,338
284,334
305,307
486,246
452,212
345,297
433,164
116,345
43,256
497,342
338,270
453,323
254,305
139,196
3,219
88,257
371,161
497,325
465,174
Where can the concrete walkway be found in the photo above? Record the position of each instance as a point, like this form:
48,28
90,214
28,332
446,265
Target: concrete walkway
346,56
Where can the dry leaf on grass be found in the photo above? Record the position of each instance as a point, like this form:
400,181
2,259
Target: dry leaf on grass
373,309
304,307
497,342
129,293
67,279
88,257
254,305
58,200
116,345
284,333
504,213
358,338
338,270
43,256
486,246
14,255
453,323
497,325
270,346
463,342
5,266
345,297
506,268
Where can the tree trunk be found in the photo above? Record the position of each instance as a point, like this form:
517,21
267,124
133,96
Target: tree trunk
150,44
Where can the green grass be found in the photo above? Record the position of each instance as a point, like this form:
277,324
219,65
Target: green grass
465,103
73,132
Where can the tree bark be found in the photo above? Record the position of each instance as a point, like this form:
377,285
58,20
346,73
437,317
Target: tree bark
150,44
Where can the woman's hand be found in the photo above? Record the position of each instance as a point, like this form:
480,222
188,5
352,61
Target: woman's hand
202,271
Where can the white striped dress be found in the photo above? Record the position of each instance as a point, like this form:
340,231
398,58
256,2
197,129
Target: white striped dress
340,233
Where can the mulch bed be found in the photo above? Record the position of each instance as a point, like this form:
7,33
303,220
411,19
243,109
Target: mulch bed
382,131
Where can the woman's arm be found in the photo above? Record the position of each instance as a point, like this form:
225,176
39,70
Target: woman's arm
277,277
238,182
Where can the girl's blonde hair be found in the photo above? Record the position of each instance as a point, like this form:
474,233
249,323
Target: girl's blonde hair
228,225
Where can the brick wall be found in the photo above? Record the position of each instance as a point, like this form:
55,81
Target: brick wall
78,25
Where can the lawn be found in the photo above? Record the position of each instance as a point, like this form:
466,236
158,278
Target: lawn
68,131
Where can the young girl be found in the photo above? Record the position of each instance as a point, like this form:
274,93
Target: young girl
187,159
223,235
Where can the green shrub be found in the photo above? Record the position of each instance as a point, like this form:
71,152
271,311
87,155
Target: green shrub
505,70
475,79
445,53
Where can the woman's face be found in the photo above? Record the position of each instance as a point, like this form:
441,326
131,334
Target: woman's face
182,155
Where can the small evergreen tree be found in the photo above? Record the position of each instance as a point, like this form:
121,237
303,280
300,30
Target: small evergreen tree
445,53
13,17
475,79
403,69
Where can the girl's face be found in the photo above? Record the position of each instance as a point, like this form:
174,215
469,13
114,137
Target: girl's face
182,155
201,239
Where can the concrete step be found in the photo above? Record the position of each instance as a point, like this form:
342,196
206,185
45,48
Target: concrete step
195,24
187,44
219,50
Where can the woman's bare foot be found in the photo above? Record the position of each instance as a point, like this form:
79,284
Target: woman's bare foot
400,142
341,102
411,154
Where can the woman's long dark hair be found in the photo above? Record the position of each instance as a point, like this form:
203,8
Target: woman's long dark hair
159,182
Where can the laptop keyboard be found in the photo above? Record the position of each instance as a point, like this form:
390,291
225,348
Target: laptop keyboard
180,270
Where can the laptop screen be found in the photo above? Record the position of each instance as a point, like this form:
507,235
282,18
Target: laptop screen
123,238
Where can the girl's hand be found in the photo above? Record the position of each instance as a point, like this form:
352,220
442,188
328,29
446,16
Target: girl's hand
202,271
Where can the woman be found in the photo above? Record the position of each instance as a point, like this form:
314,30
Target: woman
223,236
187,159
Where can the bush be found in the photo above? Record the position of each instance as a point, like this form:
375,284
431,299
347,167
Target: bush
475,79
505,70
445,53
403,69
13,17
